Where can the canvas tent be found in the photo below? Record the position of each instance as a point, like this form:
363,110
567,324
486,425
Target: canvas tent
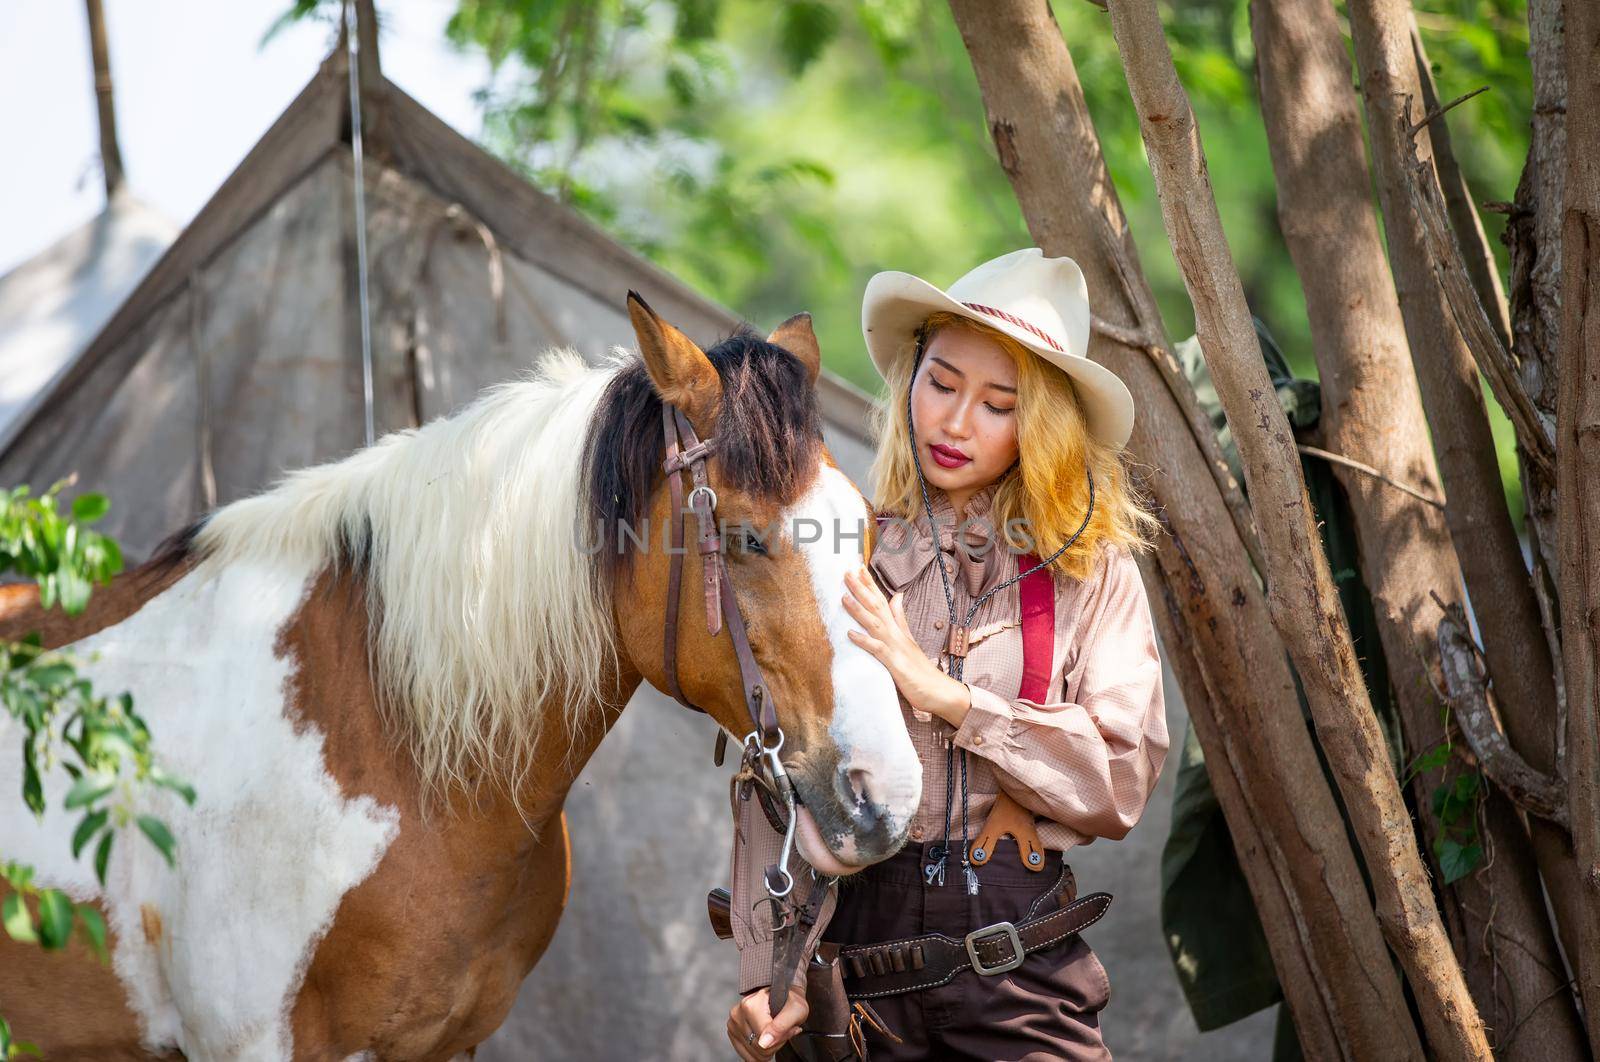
54,303
237,358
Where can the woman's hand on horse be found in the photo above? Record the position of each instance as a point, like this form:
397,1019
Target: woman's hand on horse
753,1013
886,634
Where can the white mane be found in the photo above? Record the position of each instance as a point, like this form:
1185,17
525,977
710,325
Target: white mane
483,610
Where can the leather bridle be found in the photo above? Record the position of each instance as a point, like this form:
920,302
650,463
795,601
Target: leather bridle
761,768
720,601
764,742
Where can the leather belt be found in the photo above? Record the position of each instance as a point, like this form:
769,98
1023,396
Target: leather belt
933,959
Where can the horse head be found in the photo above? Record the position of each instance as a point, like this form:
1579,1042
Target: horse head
791,524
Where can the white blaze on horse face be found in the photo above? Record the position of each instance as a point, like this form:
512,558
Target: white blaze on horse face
212,954
867,725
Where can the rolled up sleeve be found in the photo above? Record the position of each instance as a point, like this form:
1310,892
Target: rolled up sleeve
750,917
1092,762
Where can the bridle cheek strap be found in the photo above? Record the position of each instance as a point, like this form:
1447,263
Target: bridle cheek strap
720,602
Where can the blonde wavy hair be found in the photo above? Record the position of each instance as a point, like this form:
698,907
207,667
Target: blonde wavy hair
1045,487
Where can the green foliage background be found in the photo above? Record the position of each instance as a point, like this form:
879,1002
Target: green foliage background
776,153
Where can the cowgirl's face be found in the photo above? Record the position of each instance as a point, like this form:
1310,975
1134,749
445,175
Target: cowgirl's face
963,407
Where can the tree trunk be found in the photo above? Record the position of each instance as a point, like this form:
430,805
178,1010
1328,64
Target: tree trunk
1533,238
1294,964
1372,412
1464,218
105,102
1325,924
1491,558
1578,470
1303,601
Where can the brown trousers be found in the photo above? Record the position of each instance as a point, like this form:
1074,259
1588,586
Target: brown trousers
1047,1008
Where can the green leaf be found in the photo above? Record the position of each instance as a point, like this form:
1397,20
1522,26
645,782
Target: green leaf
1433,759
19,924
177,785
20,875
87,508
86,791
159,835
25,1047
55,919
102,855
32,788
75,591
113,552
94,929
92,824
1457,860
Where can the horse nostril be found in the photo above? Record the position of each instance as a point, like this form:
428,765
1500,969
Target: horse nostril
857,778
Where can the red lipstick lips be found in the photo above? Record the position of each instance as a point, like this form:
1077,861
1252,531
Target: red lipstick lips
947,456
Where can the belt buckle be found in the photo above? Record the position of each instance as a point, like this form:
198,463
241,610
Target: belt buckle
1012,963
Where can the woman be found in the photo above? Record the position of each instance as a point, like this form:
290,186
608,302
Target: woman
1000,439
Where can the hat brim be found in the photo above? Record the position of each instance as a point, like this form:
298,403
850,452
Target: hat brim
895,304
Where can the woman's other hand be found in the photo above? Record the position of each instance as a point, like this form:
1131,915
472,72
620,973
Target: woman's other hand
886,634
753,1014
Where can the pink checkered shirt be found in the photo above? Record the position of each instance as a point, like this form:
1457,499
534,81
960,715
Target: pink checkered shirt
1084,760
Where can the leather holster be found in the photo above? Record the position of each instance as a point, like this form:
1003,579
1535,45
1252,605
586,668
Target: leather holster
833,1027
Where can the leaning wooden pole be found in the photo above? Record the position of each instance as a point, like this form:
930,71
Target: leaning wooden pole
1577,473
1300,589
1295,965
1372,412
100,53
1338,977
1492,565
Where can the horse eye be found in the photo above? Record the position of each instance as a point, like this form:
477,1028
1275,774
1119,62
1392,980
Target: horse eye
750,542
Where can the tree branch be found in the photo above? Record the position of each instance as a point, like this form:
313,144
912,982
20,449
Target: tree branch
1467,687
1300,592
1483,340
1350,462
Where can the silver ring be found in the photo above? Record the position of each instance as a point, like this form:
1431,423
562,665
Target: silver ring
750,1037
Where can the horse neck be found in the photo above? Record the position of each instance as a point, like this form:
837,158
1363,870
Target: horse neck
330,634
22,614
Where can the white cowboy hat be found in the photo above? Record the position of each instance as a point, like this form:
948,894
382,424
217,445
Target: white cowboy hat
1043,303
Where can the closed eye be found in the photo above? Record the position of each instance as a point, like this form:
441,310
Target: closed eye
942,389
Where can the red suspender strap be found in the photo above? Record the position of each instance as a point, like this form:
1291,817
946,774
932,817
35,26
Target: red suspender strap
1038,596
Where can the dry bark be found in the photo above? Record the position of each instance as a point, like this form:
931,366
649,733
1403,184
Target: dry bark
1533,237
1351,1005
1577,472
1372,412
1477,321
1464,219
1466,681
1257,853
1533,230
1491,558
1301,594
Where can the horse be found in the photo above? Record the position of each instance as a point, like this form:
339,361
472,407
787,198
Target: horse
383,674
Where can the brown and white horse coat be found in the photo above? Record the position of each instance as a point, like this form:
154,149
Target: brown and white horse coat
382,677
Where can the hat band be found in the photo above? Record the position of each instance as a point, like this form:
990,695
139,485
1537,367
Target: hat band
1019,322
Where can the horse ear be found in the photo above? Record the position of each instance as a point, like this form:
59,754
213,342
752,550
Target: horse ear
680,370
796,336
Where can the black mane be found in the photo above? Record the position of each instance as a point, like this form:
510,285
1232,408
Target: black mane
767,433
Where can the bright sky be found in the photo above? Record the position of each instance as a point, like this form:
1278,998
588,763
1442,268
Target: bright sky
193,94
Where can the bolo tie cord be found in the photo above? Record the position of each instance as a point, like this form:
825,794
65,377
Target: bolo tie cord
956,664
